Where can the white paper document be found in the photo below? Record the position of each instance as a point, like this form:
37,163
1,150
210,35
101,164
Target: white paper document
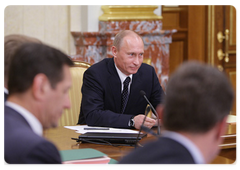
85,128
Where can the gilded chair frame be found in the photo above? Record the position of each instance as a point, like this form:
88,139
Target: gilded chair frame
70,116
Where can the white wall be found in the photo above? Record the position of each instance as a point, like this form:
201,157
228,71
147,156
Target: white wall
94,11
53,24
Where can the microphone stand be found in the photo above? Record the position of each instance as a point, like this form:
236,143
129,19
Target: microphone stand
146,112
154,111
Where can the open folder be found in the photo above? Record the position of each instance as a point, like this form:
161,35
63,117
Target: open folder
85,156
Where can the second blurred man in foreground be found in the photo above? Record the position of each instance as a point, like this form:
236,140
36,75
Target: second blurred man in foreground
197,103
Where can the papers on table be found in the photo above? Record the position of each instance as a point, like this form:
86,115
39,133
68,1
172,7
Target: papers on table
82,129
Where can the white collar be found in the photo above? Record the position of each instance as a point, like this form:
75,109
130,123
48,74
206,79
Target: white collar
191,147
30,118
123,76
5,90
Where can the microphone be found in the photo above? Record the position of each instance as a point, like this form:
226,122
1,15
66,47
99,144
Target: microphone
154,111
145,129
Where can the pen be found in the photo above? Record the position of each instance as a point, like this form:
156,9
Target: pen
96,128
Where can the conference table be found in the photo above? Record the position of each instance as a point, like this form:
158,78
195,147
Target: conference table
62,138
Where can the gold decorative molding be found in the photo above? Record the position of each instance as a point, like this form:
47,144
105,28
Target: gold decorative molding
129,12
232,25
81,64
211,33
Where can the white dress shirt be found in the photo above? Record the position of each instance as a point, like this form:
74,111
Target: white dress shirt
122,77
30,118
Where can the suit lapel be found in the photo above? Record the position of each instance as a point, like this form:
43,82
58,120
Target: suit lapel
115,85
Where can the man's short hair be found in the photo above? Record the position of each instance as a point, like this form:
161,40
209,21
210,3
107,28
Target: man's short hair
11,44
117,42
31,59
197,97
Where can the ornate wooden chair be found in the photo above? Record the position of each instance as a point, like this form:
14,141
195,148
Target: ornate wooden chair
70,116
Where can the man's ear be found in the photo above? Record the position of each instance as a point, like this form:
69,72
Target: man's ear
40,86
221,128
114,51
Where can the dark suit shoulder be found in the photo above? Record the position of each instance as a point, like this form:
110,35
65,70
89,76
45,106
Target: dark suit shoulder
144,65
146,69
162,151
101,71
43,152
22,145
147,73
101,64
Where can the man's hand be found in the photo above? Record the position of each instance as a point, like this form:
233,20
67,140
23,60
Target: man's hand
149,122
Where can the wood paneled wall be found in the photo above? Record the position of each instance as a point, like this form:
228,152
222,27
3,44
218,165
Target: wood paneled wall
176,18
196,38
189,43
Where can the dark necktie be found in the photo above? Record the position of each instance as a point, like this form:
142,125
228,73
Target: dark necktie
124,94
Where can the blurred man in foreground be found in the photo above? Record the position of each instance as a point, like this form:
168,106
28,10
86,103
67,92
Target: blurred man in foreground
197,103
39,80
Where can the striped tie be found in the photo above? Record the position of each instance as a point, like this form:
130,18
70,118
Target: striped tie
124,96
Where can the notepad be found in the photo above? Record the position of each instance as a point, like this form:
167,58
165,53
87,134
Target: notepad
84,156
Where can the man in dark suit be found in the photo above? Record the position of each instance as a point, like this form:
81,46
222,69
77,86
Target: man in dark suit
39,80
11,44
106,101
198,101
